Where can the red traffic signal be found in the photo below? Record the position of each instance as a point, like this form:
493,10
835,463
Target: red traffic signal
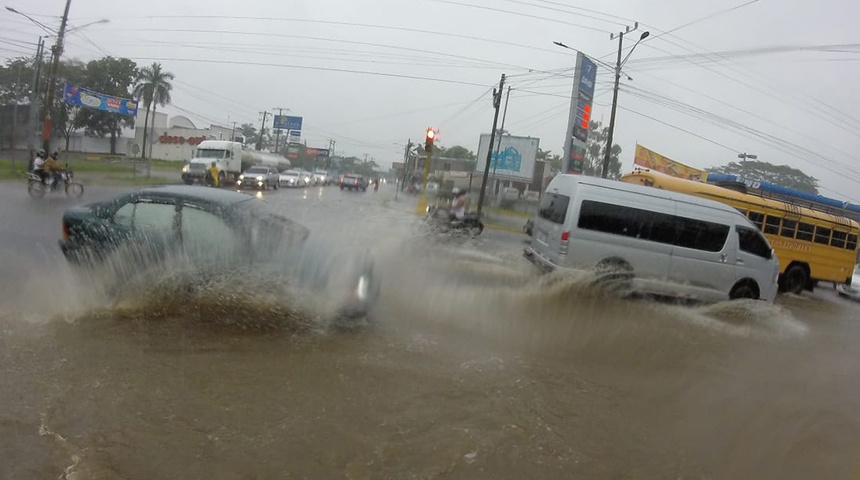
428,139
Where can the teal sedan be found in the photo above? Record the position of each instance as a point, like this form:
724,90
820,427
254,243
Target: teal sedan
212,231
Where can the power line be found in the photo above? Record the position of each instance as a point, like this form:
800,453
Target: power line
519,2
309,67
520,14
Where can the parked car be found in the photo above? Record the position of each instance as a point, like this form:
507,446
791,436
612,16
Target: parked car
259,176
354,181
290,178
213,231
851,290
655,241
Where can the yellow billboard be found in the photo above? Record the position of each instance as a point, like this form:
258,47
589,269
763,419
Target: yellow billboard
658,163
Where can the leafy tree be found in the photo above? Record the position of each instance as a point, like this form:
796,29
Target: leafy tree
595,151
249,131
16,78
153,88
554,161
111,76
459,152
768,172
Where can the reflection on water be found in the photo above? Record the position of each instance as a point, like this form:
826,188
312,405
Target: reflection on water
474,367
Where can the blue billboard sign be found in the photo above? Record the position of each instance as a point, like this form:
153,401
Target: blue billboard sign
286,122
83,97
587,78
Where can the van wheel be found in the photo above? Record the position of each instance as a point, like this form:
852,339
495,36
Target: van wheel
615,273
794,279
744,289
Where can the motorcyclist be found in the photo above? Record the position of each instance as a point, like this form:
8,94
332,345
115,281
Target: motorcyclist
214,172
52,167
458,205
38,164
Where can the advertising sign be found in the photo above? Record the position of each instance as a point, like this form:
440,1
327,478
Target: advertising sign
322,152
286,122
513,157
83,97
579,119
654,161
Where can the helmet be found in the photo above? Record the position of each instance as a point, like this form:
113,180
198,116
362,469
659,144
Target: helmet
54,155
456,191
41,154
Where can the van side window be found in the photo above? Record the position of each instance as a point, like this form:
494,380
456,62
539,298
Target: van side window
804,231
553,207
752,241
771,225
656,227
701,235
788,227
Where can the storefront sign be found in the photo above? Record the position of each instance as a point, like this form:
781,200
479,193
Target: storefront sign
177,140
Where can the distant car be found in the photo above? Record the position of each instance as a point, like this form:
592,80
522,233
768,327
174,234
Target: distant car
851,291
260,177
213,231
322,177
353,181
307,178
290,178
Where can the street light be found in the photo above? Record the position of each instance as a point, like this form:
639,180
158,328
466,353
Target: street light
39,24
744,156
618,64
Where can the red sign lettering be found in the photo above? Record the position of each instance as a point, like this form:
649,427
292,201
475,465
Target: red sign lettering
177,140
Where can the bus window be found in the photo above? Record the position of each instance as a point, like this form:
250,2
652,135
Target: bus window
804,231
838,239
757,218
822,235
788,227
851,244
771,225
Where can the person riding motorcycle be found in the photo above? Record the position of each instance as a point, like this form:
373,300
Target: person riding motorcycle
458,205
214,172
38,164
53,168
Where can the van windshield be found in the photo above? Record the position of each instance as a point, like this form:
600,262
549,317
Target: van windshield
211,153
553,207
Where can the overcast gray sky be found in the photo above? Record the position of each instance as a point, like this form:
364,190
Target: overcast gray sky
235,59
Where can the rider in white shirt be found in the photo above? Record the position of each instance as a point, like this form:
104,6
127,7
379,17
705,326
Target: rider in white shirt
37,164
458,205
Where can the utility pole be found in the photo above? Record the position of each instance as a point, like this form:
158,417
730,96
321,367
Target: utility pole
278,131
262,129
497,100
499,143
618,64
52,78
233,133
34,101
406,155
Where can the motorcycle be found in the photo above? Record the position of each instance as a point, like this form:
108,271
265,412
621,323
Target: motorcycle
376,186
37,188
439,219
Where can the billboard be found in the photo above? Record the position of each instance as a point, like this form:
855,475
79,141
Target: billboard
513,157
654,161
83,97
316,152
286,122
576,138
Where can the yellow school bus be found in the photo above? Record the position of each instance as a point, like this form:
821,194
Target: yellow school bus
811,245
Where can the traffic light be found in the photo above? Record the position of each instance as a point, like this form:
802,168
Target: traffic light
428,140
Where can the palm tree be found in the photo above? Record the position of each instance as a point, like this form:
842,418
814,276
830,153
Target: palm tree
249,132
153,88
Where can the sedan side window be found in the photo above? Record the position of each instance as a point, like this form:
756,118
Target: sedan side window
124,215
206,233
154,216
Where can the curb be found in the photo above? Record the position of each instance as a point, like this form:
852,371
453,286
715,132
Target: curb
503,228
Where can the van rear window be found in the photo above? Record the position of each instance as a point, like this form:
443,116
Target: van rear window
553,207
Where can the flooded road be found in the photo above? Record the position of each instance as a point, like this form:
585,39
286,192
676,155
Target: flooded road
475,367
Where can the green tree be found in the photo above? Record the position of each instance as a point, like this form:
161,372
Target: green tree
153,88
595,151
778,174
554,161
111,76
460,152
249,131
16,78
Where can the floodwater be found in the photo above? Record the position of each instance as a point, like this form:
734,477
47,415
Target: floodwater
473,367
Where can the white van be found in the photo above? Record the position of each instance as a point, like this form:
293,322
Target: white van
669,244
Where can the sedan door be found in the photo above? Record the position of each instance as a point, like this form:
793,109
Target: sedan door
147,229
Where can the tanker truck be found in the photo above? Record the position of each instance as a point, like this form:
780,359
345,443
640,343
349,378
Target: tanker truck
231,158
